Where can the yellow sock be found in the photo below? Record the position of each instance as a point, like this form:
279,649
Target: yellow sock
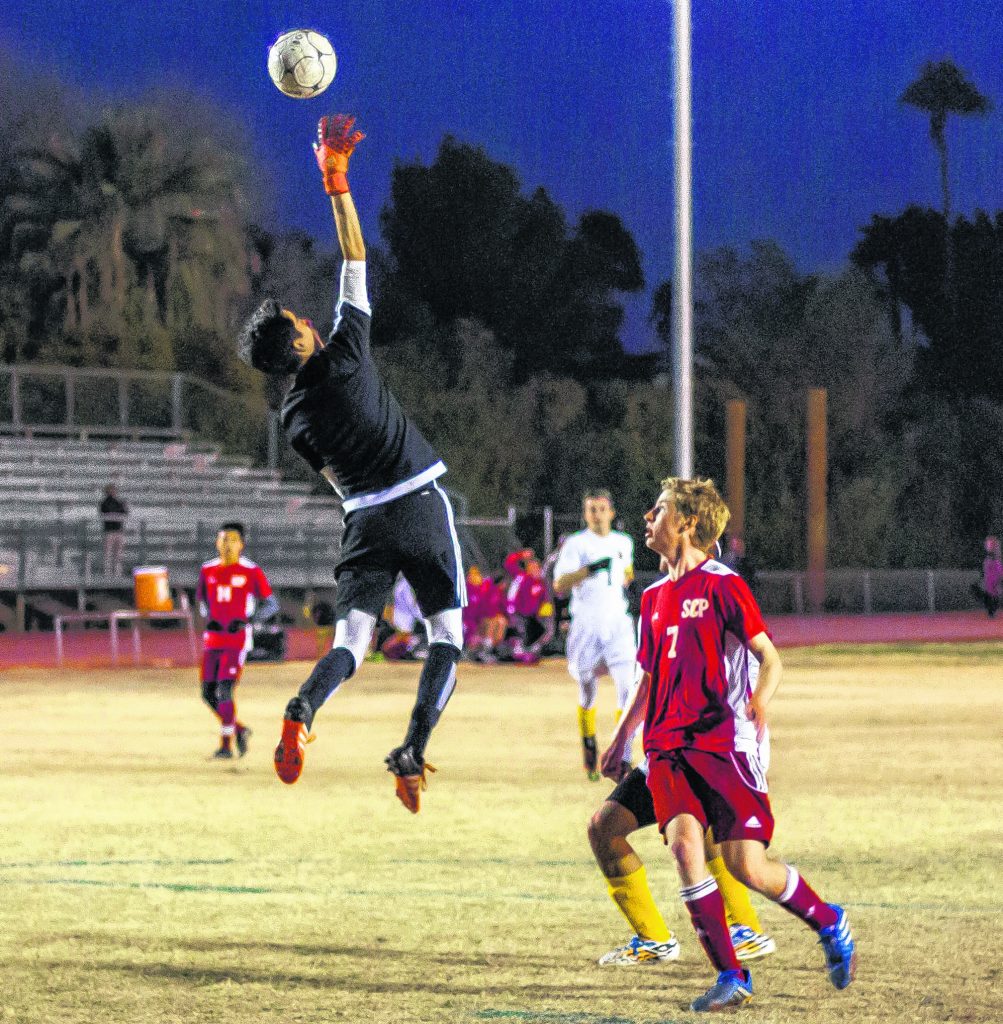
737,905
632,895
587,722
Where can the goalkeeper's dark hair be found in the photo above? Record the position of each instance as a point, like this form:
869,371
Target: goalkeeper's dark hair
234,527
265,341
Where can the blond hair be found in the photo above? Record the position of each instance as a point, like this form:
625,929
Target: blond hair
699,498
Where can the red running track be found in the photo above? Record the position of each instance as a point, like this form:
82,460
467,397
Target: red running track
168,648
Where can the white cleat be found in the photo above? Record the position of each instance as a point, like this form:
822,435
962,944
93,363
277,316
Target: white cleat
641,952
750,945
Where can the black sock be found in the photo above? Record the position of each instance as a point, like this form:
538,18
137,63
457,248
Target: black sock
328,674
435,687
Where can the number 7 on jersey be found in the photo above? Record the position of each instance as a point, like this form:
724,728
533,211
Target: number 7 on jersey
672,632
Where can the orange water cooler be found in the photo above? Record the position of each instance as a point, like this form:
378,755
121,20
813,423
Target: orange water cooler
152,589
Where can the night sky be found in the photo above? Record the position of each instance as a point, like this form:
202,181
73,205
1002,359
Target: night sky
798,133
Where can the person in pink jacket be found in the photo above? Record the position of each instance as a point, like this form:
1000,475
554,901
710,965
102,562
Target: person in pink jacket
991,590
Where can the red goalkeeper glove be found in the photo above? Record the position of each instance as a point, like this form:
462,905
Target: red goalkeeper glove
335,144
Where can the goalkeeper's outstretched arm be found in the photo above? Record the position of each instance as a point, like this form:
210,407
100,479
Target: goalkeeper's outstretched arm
336,141
346,220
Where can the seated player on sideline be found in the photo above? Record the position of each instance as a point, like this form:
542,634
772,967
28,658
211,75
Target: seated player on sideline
698,777
529,610
629,808
484,619
342,419
232,594
594,567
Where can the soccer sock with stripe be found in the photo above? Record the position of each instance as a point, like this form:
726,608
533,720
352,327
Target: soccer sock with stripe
802,901
586,722
227,710
227,730
633,896
328,674
435,687
737,904
706,908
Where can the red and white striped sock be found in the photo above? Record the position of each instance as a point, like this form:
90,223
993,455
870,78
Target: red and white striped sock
802,901
228,716
706,908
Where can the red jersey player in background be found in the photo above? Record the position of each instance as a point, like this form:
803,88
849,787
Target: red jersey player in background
691,621
232,593
484,619
528,606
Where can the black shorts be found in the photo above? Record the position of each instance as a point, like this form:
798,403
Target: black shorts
413,535
633,793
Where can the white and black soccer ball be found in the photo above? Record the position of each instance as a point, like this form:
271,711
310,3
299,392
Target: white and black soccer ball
302,63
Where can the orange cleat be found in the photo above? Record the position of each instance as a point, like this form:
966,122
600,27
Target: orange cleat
409,789
290,752
411,776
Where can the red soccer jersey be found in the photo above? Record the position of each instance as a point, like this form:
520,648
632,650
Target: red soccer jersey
526,595
683,645
231,592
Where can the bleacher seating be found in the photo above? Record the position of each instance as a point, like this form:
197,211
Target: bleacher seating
177,495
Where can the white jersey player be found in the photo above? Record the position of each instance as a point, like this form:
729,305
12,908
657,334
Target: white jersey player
594,566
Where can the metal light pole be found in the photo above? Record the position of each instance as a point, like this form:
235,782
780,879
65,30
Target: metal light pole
682,278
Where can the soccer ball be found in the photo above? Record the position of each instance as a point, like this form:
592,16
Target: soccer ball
302,63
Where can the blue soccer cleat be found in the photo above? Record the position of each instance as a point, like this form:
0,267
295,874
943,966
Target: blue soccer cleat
731,990
840,949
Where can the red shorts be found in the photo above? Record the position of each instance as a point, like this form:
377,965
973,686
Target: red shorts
222,664
724,791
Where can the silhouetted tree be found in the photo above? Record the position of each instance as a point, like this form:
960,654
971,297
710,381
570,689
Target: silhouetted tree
942,89
905,256
766,332
463,241
130,205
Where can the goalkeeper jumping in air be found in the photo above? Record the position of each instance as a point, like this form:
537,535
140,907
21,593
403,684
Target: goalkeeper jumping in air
341,418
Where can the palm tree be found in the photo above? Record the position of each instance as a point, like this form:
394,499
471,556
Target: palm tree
58,229
131,204
941,89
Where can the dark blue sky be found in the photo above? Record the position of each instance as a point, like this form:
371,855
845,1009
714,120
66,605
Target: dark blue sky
798,133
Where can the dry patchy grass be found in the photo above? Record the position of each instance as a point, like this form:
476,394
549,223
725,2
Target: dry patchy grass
140,882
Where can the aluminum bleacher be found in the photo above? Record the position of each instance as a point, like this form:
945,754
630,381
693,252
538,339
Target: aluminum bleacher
51,537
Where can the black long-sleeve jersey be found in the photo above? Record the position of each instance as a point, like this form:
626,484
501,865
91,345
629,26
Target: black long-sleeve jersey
339,414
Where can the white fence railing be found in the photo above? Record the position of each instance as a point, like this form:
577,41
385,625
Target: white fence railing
870,591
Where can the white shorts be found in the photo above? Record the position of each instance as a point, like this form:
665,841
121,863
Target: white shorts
757,752
598,645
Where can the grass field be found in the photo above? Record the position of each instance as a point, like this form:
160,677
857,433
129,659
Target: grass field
140,882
